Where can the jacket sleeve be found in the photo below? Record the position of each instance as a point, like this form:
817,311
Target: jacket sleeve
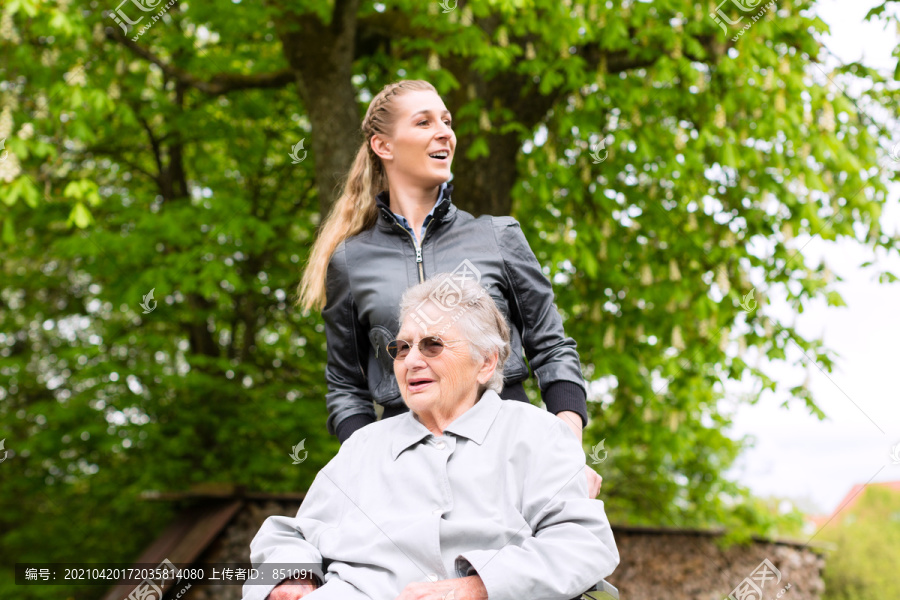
348,400
293,542
572,546
551,355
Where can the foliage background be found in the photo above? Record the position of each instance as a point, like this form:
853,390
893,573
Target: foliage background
864,543
163,164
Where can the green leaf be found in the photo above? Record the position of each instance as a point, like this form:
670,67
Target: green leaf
835,299
30,192
478,149
11,193
80,215
9,233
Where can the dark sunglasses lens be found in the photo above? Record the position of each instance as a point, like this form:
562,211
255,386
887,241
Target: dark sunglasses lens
431,346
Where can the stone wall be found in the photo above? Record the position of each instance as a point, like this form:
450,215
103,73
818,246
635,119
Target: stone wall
676,564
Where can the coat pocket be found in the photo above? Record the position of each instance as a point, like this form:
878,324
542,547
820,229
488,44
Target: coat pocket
382,383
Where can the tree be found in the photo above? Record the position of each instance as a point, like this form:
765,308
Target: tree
659,165
866,540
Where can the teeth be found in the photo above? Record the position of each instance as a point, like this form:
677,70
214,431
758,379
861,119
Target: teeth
441,154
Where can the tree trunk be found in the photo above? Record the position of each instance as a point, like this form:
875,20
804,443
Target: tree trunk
484,185
321,56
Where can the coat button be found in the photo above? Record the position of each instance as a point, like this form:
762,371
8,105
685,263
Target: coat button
433,577
441,445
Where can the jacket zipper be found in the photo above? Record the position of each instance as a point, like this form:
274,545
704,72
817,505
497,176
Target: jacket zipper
419,252
419,263
418,248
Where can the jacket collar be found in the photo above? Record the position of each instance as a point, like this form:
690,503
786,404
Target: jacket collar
444,210
473,424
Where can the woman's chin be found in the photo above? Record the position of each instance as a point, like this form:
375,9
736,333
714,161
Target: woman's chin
434,177
419,402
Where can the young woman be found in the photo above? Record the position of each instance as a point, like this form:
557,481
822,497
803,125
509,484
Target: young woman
394,226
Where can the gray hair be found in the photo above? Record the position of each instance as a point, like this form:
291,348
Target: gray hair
449,299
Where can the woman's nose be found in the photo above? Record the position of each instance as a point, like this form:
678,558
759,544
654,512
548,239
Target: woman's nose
414,357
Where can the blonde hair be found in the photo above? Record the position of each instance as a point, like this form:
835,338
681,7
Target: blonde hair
354,211
467,306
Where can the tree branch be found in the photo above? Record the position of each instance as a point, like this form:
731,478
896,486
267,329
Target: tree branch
154,143
221,83
117,153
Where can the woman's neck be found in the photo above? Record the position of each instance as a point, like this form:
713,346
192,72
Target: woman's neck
438,418
413,204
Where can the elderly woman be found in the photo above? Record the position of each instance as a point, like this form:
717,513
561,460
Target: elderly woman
465,496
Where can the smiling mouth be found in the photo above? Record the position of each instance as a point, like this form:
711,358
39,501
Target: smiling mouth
417,385
442,155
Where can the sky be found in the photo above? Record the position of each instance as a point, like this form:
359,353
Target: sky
795,455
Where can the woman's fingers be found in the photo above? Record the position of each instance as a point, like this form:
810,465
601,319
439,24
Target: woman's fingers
594,481
440,590
292,589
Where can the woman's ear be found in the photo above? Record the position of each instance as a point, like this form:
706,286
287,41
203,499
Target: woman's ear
487,368
381,148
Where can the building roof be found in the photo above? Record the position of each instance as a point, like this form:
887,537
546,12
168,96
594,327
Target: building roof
852,498
212,508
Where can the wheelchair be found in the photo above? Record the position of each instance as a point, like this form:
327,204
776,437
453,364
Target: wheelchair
601,591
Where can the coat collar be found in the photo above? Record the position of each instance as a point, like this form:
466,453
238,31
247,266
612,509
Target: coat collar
443,210
473,424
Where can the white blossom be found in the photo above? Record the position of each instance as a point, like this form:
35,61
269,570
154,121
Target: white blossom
9,166
8,30
76,76
677,339
6,123
26,131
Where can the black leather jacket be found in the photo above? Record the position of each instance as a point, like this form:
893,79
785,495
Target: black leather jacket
368,274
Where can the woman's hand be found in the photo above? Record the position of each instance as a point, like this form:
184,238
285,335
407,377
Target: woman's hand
292,589
593,480
465,588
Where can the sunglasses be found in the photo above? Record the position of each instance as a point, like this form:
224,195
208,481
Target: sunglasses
429,347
